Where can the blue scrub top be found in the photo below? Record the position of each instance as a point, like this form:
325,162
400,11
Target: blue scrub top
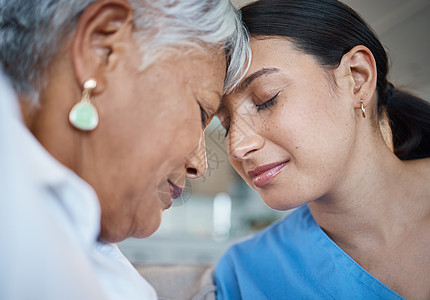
294,259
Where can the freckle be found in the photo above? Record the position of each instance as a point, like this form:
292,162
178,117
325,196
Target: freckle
297,148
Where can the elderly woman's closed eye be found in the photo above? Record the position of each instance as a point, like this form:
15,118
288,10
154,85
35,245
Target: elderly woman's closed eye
119,92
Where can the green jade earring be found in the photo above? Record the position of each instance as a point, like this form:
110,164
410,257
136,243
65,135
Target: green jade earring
83,114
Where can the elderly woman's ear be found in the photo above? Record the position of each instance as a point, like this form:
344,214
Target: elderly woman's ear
101,34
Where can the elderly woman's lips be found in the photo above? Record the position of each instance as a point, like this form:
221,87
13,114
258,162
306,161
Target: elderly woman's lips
175,191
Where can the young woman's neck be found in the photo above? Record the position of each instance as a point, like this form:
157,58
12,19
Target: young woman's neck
374,205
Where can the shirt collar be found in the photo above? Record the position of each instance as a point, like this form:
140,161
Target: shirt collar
75,195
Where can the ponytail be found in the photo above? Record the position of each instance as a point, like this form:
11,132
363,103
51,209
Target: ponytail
327,29
410,123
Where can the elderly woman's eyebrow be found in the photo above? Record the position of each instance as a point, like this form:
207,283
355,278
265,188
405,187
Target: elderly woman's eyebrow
248,80
217,93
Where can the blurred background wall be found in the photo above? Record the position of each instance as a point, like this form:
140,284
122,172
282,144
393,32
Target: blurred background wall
220,208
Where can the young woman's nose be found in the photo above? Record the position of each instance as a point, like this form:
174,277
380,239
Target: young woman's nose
243,139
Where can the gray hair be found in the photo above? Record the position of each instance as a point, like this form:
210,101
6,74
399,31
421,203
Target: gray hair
33,31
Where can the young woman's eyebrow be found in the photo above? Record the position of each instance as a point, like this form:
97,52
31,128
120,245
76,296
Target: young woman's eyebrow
247,82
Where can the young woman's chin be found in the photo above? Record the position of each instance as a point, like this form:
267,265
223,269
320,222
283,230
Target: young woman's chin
282,203
279,199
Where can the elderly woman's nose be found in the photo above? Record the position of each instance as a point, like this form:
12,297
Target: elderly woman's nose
196,164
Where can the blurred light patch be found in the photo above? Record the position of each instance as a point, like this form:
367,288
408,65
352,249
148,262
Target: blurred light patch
221,217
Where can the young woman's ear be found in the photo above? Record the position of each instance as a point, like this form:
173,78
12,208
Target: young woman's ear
360,66
102,29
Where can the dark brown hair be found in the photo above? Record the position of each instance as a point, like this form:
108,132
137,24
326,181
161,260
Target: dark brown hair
328,29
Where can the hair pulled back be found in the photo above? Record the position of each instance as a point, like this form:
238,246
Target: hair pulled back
327,30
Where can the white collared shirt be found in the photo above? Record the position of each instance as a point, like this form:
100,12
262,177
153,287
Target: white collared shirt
49,224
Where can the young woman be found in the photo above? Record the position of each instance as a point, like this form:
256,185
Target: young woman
314,124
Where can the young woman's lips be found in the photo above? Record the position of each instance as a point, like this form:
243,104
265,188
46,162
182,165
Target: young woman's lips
264,175
175,191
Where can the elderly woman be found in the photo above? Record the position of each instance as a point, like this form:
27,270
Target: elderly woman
114,96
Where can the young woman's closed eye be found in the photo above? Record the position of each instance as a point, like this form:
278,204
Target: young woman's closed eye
272,101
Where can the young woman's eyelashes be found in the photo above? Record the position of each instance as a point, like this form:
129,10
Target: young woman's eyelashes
227,129
272,101
223,118
225,123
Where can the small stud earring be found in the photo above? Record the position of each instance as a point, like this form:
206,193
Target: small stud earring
83,114
363,110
